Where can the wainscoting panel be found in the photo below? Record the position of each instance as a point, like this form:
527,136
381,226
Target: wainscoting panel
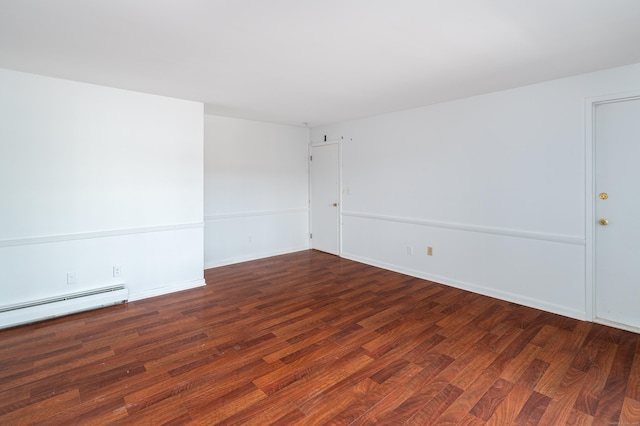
238,237
537,270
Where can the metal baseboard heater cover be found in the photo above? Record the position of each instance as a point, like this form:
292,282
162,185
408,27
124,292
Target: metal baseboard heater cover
52,307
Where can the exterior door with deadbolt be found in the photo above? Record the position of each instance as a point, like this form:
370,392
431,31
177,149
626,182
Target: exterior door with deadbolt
324,167
617,231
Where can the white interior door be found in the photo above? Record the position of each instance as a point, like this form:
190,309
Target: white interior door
325,197
617,192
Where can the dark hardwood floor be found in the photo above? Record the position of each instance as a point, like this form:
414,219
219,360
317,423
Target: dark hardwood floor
309,338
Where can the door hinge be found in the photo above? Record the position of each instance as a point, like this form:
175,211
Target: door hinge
311,158
310,235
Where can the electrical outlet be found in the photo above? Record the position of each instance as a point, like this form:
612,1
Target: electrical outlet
71,278
117,271
429,251
409,250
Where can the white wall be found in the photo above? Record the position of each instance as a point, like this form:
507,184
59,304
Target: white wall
92,177
256,190
494,183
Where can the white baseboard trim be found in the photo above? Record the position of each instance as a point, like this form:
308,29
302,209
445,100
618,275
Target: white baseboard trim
615,324
498,294
255,256
171,288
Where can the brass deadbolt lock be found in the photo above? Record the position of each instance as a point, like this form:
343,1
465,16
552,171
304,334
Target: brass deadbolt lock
604,195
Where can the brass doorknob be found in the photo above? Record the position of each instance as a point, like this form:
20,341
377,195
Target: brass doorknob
335,204
604,222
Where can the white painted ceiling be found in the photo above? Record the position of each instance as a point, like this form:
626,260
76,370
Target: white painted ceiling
316,61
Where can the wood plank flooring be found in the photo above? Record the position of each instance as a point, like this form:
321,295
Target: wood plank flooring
308,338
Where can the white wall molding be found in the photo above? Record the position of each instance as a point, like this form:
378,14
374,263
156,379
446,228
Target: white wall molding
474,288
566,239
255,213
97,234
171,288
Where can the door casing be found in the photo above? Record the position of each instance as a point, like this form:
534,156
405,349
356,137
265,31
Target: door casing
590,204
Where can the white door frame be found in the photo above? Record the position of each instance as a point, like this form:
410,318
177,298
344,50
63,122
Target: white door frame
316,145
590,195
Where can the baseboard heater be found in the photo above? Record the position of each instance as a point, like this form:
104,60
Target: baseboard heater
38,310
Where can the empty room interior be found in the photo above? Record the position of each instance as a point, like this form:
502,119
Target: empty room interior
320,212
